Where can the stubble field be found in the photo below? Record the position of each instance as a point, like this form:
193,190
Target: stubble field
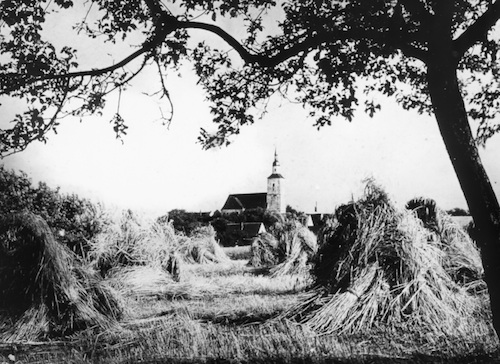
230,313
377,284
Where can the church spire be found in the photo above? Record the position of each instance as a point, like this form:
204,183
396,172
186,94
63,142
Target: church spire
276,163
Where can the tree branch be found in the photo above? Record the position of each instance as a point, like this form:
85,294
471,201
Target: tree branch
93,72
164,25
154,8
478,30
40,134
271,60
414,52
168,23
417,9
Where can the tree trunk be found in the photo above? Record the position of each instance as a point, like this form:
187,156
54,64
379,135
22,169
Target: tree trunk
451,116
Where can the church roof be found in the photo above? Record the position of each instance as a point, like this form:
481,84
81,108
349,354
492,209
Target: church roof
275,175
244,201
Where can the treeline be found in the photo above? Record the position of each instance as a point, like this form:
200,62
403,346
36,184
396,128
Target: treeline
457,211
186,222
74,220
77,220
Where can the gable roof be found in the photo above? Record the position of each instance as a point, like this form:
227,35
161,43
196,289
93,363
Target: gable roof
316,218
249,229
245,201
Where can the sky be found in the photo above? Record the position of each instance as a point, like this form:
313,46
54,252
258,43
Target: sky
158,168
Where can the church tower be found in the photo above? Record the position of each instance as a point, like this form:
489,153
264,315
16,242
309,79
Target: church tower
275,200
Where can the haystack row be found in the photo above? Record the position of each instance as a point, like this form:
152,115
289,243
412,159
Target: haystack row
380,266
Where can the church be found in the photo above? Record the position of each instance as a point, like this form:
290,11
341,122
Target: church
272,200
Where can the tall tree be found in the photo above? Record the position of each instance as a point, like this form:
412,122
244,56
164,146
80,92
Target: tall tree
436,56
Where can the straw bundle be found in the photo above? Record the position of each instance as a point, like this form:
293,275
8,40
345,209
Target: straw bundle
379,266
426,210
300,246
45,289
462,260
147,282
264,251
201,247
135,242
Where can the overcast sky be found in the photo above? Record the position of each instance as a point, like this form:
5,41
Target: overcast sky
157,168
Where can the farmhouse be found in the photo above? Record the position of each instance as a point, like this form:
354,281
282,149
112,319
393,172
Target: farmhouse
272,200
315,221
244,232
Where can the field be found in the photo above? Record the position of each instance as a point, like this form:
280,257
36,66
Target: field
376,285
230,313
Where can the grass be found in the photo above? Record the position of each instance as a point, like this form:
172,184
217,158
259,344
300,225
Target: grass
234,318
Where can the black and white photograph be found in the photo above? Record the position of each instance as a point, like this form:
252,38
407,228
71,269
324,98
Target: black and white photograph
255,181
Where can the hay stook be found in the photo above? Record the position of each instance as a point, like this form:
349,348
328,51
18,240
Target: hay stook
45,289
264,251
380,266
286,251
300,246
201,247
135,241
462,260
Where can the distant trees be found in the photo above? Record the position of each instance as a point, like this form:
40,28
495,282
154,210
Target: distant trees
186,222
294,214
74,220
457,211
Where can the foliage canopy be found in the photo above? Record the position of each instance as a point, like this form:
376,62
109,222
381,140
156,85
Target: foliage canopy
331,56
76,220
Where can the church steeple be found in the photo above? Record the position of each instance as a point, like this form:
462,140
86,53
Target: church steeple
276,164
275,201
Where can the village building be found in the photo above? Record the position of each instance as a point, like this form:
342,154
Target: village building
244,232
244,201
272,200
315,221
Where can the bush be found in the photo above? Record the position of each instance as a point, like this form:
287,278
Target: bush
74,220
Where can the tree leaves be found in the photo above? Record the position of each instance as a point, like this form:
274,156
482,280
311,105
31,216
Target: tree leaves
382,45
119,126
330,56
